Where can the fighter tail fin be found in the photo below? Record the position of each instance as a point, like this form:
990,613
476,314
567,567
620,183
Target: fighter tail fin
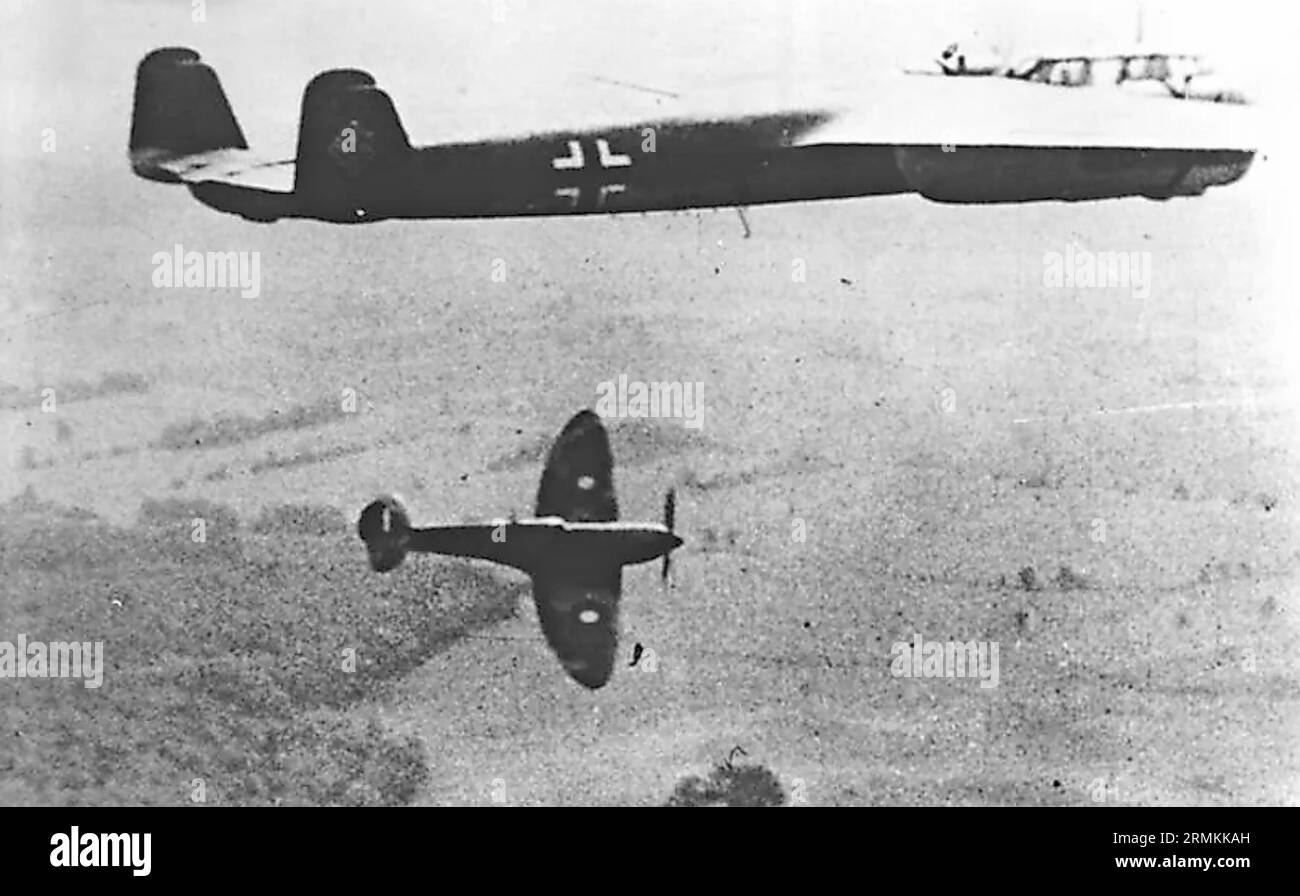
385,527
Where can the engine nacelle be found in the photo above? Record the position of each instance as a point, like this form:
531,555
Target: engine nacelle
980,174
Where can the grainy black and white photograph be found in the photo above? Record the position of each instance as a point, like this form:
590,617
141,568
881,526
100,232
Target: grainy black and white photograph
652,403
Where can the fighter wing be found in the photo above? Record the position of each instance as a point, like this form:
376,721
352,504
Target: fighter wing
577,593
578,611
578,480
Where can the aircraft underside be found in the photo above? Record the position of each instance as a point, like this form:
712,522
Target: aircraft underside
355,164
474,182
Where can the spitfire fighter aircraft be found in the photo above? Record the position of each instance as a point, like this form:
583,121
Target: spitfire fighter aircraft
574,548
969,140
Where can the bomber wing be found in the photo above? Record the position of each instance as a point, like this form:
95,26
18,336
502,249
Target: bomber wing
997,112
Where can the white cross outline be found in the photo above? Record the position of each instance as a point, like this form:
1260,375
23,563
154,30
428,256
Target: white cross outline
575,193
606,189
609,159
576,160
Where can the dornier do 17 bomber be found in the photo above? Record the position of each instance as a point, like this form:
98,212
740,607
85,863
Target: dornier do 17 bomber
960,140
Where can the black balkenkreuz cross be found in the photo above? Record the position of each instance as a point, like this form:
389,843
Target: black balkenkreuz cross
593,177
